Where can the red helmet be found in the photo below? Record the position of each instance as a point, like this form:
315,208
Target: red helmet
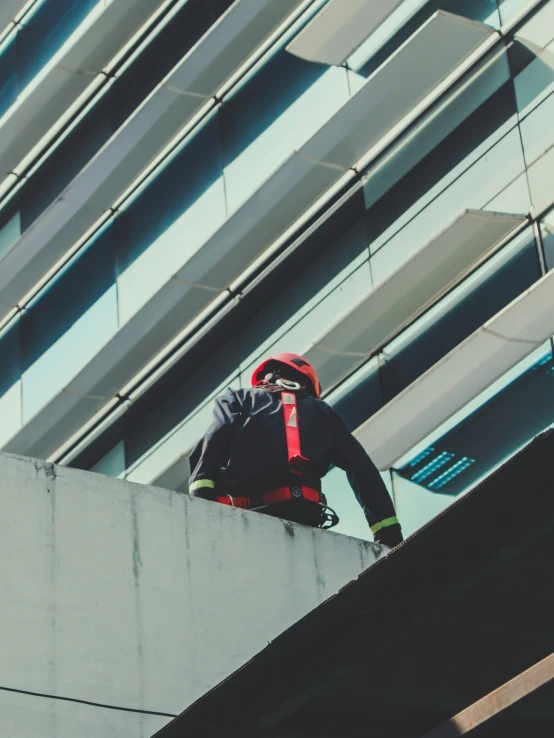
296,362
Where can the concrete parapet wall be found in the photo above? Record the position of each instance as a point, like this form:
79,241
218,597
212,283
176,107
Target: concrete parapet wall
137,597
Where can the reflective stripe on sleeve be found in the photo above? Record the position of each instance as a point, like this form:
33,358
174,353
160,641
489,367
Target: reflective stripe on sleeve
201,483
384,524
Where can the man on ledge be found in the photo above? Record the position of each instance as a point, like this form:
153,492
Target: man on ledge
269,447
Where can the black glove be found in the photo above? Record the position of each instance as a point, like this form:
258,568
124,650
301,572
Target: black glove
390,536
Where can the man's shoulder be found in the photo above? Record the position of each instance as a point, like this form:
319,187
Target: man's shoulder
237,394
323,405
232,393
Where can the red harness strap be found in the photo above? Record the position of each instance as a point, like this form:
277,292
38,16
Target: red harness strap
292,431
295,459
281,494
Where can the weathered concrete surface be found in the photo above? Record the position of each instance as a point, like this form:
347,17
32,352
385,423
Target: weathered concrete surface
137,597
37,717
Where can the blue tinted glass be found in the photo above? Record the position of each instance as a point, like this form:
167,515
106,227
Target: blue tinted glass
63,165
298,285
160,56
485,300
508,8
113,463
274,114
10,230
8,77
117,105
10,384
175,405
430,170
10,366
533,72
68,298
260,102
170,194
547,231
45,32
363,400
259,314
489,435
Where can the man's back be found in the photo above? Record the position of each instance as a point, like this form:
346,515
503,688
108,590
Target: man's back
259,446
279,434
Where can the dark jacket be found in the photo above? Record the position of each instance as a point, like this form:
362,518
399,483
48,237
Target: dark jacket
244,451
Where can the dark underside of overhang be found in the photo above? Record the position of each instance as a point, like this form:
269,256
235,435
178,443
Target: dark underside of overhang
462,607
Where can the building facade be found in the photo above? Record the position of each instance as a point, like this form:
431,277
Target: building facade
190,185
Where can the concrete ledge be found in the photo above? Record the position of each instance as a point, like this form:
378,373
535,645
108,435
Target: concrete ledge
137,597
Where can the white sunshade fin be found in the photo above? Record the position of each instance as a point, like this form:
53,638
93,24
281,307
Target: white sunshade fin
421,280
136,145
276,206
9,10
414,72
340,28
491,351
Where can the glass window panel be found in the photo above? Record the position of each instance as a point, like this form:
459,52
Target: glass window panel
359,397
289,320
537,130
473,302
186,388
484,432
547,232
508,8
8,77
45,31
68,323
124,95
298,337
493,389
325,256
342,499
475,111
374,52
318,265
169,46
539,29
63,164
62,361
533,70
10,412
113,463
10,365
274,114
488,176
383,33
180,440
68,298
515,198
255,106
541,180
532,60
10,233
10,385
325,259
169,221
416,506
